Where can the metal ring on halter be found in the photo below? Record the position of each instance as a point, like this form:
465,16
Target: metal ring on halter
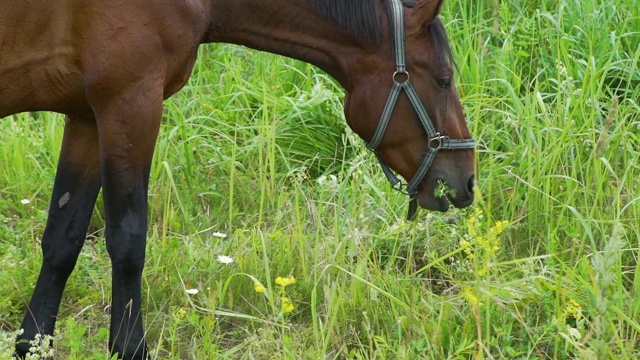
436,139
401,73
402,188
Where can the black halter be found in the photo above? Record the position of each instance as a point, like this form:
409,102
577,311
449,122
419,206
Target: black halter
436,140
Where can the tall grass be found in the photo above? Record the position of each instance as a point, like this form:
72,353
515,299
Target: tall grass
542,267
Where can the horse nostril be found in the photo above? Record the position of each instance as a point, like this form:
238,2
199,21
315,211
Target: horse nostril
471,184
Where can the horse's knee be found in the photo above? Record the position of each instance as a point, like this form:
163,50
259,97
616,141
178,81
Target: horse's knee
126,247
60,251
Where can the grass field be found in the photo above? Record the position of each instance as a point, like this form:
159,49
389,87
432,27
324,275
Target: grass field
255,162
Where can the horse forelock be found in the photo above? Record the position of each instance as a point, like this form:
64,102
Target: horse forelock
441,42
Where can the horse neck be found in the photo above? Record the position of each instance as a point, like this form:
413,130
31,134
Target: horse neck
290,28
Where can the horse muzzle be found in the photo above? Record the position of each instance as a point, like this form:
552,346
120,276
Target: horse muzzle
438,192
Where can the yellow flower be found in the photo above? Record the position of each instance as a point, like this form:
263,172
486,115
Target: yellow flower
482,271
466,247
472,299
180,314
258,287
498,228
573,310
473,222
287,305
285,281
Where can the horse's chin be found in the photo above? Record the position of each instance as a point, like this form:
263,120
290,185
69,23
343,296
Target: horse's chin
432,202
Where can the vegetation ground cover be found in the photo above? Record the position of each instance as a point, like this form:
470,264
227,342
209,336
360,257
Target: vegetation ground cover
255,163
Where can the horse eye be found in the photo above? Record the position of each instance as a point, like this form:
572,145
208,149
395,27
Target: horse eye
444,82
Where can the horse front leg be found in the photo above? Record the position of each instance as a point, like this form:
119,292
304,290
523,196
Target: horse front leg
128,126
74,194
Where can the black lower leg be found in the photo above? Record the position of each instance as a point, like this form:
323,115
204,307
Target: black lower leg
75,190
126,246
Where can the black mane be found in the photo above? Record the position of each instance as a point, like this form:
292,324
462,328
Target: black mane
362,18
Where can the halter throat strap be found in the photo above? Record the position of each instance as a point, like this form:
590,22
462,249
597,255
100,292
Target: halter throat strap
437,142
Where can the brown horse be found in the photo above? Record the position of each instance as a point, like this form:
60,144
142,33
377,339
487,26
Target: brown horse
108,66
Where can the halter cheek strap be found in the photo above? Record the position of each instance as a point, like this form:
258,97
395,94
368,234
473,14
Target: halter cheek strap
437,142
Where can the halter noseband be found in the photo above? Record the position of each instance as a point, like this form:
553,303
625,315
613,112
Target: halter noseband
436,140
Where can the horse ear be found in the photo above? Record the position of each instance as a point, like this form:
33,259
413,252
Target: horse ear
425,11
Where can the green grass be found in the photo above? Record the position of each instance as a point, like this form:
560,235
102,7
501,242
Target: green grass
255,147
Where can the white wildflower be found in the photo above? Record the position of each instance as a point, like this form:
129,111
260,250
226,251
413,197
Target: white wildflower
225,259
